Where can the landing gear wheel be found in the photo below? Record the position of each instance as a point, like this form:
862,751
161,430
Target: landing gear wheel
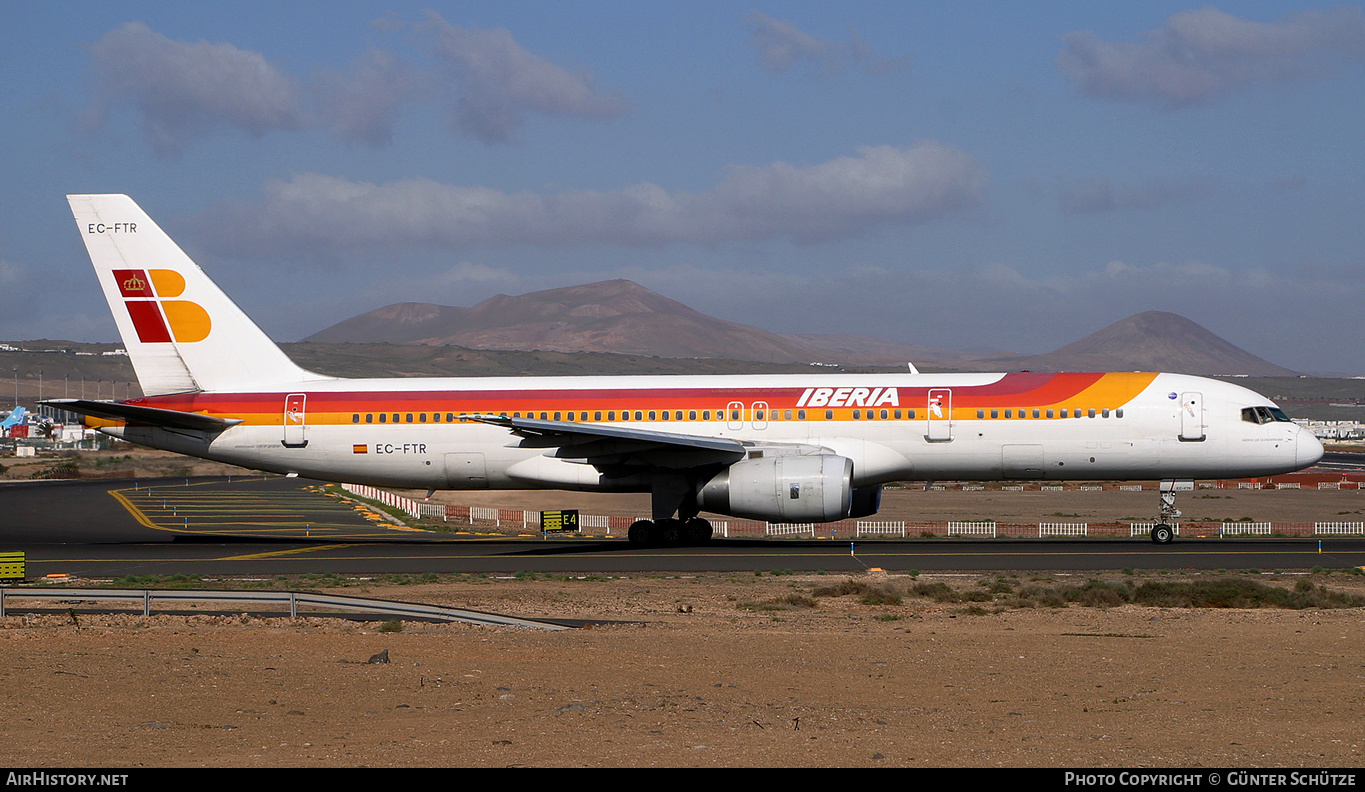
698,531
671,532
1162,534
642,533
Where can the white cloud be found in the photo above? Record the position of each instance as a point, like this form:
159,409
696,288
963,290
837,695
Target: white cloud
499,83
363,104
782,47
840,198
183,91
1204,53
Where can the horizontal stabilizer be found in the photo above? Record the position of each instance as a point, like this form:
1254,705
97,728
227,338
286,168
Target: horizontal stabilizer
145,416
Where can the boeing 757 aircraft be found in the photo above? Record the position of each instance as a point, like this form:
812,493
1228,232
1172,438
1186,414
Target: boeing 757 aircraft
784,448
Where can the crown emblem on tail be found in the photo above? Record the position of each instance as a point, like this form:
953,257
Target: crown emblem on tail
134,283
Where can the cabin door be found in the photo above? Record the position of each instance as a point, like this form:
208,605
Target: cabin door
940,415
1191,417
759,411
295,420
734,415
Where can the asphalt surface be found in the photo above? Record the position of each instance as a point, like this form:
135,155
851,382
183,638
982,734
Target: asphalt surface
266,526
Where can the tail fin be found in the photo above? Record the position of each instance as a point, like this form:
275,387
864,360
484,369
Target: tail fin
15,417
181,331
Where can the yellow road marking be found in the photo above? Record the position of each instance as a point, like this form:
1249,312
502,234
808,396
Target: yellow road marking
277,553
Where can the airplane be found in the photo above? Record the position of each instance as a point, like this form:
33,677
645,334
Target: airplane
15,418
791,448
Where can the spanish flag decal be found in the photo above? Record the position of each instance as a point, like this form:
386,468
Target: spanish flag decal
360,448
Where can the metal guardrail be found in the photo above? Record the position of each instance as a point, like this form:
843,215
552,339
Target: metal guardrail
293,598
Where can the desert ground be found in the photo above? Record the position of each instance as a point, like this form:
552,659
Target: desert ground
699,671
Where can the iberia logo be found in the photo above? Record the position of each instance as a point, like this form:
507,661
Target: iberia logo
157,317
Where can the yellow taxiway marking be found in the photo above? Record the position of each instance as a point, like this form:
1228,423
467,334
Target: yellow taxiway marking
276,553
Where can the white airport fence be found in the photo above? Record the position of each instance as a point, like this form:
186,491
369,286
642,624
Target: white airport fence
1130,488
1329,485
1338,528
1255,528
485,514
986,528
1288,485
601,521
788,529
1062,529
408,506
874,528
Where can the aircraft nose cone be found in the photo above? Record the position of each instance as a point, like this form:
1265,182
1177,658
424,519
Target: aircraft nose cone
1308,449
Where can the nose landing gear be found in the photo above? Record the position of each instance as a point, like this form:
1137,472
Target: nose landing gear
1168,519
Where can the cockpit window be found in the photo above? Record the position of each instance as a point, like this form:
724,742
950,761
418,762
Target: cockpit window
1262,415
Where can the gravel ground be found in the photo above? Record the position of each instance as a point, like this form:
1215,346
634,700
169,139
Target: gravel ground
712,670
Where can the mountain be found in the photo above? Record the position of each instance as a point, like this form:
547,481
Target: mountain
1149,341
623,317
608,316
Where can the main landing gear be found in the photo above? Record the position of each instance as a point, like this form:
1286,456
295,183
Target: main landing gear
670,494
650,533
1169,518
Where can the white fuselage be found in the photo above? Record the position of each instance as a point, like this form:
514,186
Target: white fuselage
925,435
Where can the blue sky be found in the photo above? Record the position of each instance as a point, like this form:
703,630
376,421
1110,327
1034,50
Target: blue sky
972,175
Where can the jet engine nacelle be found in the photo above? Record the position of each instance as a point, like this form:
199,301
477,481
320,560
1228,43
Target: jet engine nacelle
811,488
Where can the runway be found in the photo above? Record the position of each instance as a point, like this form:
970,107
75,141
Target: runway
276,526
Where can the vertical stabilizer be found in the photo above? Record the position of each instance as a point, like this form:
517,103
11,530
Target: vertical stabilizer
181,331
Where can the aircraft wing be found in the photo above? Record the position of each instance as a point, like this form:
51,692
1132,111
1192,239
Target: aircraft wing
145,416
604,445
